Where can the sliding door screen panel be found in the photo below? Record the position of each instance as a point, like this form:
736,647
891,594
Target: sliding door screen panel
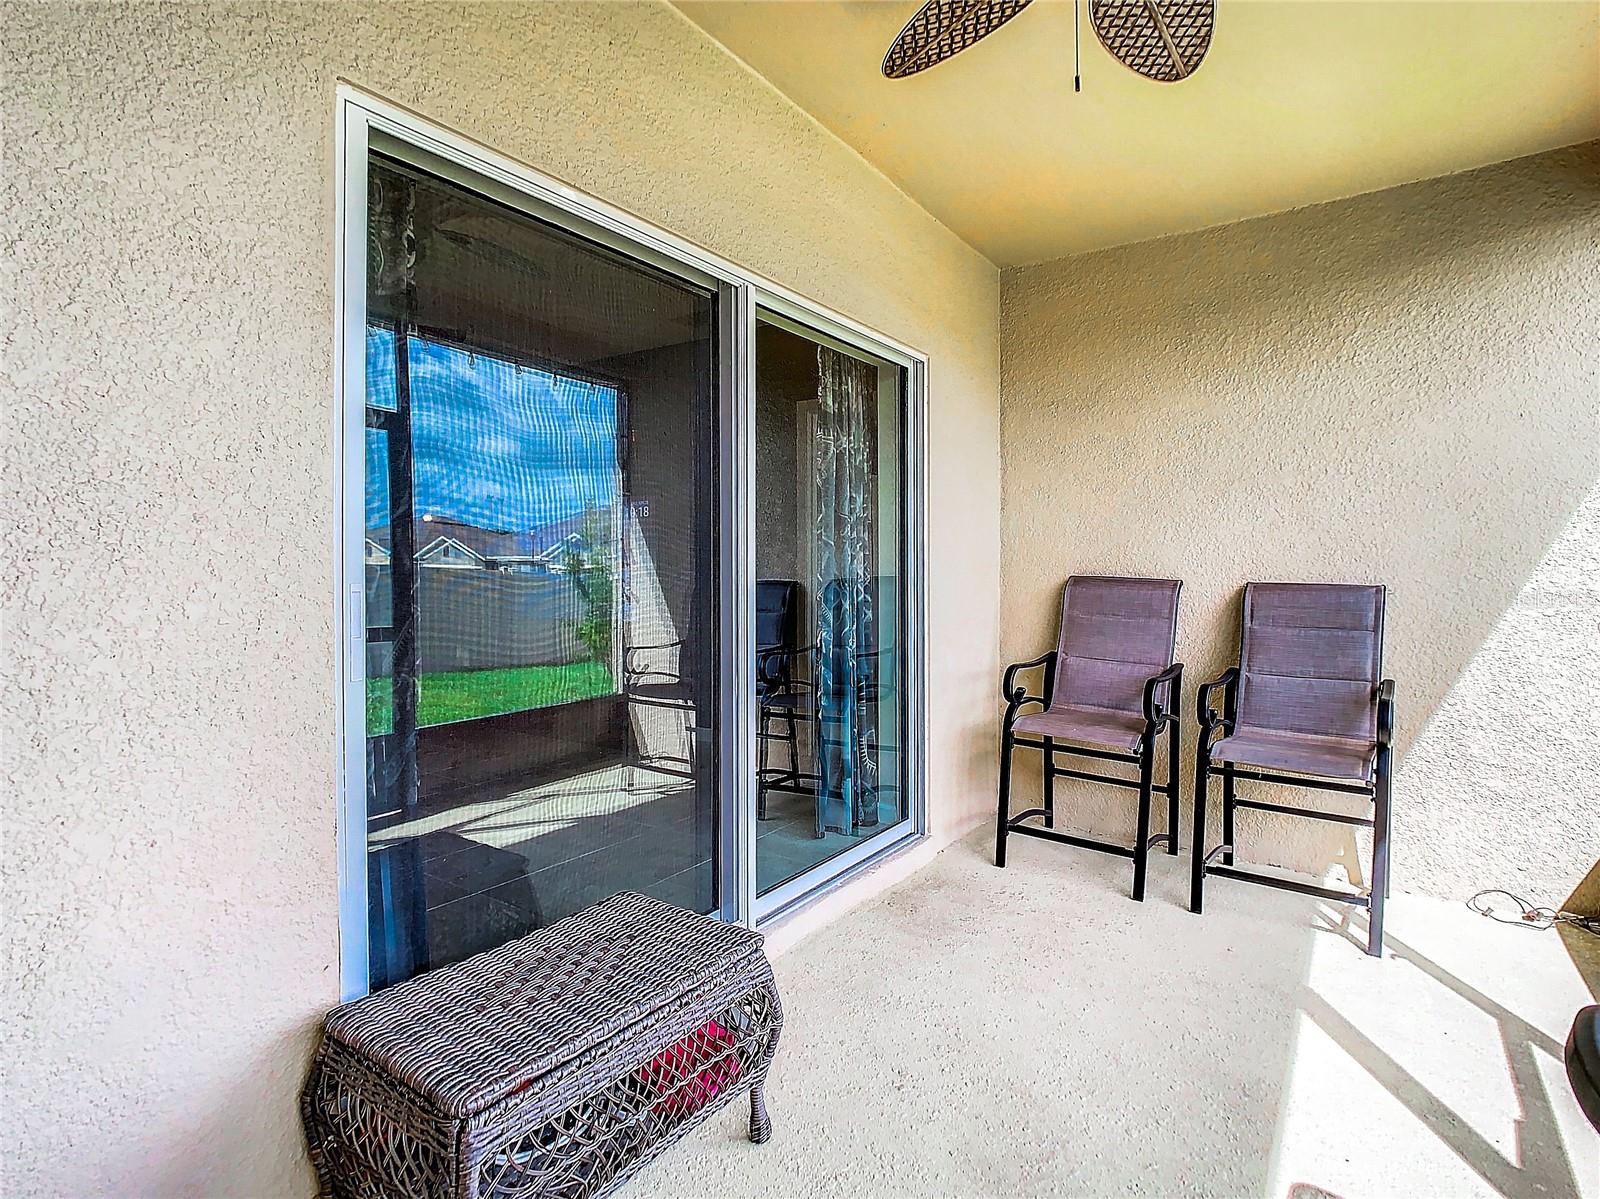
541,567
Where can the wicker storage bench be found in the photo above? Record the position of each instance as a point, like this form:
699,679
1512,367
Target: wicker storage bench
557,1064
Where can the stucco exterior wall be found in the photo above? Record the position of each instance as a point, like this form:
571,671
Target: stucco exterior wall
169,873
1400,388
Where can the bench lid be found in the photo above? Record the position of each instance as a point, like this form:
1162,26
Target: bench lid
469,1034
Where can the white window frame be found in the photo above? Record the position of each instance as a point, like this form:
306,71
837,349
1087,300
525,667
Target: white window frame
363,120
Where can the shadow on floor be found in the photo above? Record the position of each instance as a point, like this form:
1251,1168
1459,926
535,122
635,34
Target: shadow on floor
1032,1031
1539,1163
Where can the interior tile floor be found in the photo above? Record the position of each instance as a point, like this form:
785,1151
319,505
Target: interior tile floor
786,841
1032,1031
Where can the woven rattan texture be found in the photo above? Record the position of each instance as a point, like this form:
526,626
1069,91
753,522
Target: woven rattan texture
526,1007
1160,39
574,1108
942,28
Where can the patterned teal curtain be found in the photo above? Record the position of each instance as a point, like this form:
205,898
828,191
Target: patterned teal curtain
844,478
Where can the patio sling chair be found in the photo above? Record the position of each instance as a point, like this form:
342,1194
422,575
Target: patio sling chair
649,682
1306,698
840,694
1110,687
780,695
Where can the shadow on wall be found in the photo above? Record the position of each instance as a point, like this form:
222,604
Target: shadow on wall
1400,388
1513,737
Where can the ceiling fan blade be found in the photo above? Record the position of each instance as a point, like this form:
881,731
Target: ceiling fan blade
1162,40
943,28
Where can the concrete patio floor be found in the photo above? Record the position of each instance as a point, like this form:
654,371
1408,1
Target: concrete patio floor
1033,1031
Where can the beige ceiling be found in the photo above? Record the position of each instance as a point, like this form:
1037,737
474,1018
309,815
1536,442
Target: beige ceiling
1297,103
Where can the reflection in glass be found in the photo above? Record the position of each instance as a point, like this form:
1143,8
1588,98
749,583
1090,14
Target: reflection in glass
829,599
539,515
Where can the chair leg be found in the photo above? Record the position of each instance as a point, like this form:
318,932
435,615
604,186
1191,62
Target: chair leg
1173,770
1388,829
1005,796
1141,842
1197,866
1049,783
1227,813
825,748
1380,854
763,735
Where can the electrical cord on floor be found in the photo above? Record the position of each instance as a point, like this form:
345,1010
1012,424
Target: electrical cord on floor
1530,915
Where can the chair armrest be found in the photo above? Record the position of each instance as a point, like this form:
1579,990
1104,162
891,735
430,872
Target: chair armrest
1015,695
775,664
1386,713
1170,678
664,645
1228,680
648,677
632,669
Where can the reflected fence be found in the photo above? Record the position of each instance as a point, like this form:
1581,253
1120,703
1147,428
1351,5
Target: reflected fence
488,620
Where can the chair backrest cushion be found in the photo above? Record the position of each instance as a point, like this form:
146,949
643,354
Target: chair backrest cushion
1310,658
1115,634
777,607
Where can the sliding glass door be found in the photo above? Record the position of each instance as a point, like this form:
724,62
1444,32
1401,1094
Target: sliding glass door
830,505
629,569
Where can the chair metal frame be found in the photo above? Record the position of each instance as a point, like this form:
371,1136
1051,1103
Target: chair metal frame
1157,717
779,679
635,676
1377,788
776,668
779,695
775,683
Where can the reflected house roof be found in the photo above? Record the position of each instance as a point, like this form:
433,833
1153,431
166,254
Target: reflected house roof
449,551
435,532
439,537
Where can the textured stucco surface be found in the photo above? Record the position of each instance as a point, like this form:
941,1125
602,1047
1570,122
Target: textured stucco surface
169,872
1400,388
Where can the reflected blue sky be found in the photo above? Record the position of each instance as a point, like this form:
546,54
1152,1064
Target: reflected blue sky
496,445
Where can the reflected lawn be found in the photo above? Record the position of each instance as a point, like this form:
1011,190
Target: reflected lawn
469,694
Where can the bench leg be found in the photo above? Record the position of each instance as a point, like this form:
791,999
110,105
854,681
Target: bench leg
760,1122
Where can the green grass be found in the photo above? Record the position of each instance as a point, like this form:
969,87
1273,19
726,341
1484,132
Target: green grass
470,694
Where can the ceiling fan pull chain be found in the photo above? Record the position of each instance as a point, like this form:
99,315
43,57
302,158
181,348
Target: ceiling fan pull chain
1077,65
